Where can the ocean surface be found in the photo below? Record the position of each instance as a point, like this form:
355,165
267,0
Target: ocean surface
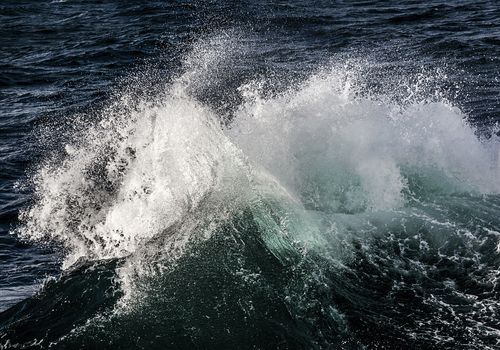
249,175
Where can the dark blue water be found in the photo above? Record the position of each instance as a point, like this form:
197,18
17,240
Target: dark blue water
249,174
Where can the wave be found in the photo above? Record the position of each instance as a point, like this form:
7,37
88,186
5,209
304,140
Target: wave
310,217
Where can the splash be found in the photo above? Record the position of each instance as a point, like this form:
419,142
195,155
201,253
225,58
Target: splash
322,145
142,169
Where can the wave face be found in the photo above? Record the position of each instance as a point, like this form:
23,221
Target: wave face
322,215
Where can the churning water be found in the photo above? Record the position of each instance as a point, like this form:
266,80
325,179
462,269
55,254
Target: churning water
250,176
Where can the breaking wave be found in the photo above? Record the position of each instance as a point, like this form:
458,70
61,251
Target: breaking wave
311,214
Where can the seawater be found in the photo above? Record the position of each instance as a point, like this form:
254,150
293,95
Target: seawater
290,186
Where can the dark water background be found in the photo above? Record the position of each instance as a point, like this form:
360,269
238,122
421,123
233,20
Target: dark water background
59,58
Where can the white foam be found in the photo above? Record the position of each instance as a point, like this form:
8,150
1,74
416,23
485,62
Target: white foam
340,151
321,145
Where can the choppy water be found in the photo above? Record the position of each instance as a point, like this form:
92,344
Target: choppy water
249,175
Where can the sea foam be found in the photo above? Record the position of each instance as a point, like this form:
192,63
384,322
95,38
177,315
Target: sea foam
323,145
